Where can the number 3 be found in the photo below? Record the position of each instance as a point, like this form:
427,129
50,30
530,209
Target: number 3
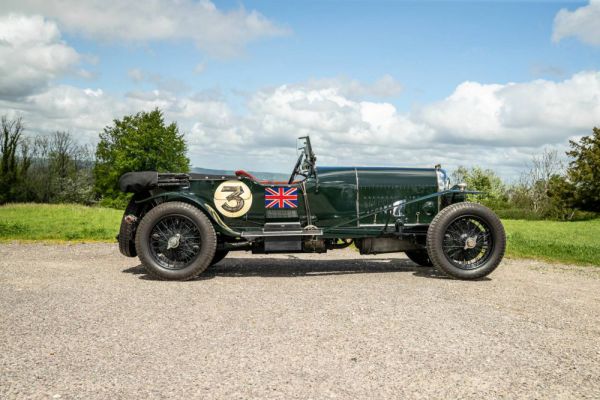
235,196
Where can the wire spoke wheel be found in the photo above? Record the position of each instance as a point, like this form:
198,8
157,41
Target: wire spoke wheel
419,257
175,241
468,242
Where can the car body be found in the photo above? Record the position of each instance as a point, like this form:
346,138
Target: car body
173,219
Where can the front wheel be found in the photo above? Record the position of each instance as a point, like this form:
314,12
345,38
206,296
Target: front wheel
175,241
419,257
466,241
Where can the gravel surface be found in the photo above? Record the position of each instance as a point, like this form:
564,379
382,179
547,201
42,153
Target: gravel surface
81,321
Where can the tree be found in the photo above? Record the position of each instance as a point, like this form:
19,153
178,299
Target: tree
560,204
40,179
484,180
460,174
583,174
62,158
544,171
14,158
60,171
140,142
70,167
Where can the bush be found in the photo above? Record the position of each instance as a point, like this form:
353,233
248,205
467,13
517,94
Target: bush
517,213
579,215
140,142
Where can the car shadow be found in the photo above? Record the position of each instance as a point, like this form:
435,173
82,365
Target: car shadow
296,267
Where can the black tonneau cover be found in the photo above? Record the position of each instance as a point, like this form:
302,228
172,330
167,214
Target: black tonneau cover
135,182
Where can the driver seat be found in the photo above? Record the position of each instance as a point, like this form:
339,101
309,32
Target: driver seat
246,174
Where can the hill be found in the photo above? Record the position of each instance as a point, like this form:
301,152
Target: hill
269,176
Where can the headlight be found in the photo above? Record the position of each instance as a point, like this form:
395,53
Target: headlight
443,182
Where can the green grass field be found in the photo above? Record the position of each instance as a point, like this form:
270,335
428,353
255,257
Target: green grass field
58,222
571,242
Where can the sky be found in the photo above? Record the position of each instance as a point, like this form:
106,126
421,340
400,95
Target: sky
390,83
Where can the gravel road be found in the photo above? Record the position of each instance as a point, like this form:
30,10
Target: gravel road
81,321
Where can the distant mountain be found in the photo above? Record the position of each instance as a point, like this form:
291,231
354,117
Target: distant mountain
268,176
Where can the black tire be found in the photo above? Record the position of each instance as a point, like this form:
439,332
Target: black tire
187,230
219,255
466,241
419,257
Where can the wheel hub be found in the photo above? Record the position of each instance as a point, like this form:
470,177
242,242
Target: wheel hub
471,242
173,242
468,242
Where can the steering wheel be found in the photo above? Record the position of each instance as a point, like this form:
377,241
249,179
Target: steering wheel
296,170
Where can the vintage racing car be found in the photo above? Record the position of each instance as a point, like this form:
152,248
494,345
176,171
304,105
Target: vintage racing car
180,224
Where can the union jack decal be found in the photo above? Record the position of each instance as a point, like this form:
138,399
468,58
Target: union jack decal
281,197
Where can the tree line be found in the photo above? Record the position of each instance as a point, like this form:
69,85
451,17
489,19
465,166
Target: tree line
57,169
548,189
44,169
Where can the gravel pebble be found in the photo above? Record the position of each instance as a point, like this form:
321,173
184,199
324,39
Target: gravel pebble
82,321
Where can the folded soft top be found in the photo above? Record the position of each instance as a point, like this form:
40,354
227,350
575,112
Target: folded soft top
135,182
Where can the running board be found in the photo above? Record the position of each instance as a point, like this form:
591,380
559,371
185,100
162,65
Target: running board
303,232
283,229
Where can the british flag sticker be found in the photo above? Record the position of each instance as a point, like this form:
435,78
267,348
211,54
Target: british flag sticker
281,197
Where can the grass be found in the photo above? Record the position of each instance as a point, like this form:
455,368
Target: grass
58,222
571,242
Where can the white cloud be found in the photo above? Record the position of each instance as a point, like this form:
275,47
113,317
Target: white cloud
583,23
86,111
31,55
81,111
136,75
470,113
516,114
495,125
551,107
222,33
288,111
158,81
498,125
199,68
544,70
384,87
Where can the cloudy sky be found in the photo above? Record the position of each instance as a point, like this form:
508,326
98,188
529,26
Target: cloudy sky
372,82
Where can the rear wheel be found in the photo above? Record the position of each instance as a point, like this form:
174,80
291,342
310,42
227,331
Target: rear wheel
419,257
466,241
175,241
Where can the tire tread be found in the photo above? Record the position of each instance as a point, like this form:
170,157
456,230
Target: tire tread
209,242
434,249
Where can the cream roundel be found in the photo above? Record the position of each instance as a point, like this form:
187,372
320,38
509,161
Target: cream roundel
233,198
